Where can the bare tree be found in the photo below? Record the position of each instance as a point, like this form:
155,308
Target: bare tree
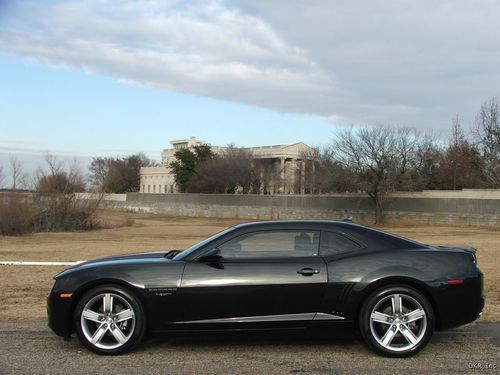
118,175
382,158
55,165
487,135
17,173
460,163
99,171
325,174
58,181
429,155
457,139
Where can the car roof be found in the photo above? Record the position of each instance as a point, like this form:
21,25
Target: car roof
297,223
370,236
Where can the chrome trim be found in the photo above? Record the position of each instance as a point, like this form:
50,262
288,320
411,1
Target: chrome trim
324,316
251,319
267,318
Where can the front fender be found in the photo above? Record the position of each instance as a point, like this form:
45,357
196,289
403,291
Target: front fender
155,284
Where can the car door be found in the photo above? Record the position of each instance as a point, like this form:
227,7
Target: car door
262,276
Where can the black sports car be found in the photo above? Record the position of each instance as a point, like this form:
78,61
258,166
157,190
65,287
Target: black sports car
273,275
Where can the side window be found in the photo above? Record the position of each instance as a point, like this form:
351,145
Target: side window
272,244
335,243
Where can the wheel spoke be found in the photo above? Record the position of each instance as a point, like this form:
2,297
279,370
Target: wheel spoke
397,304
409,335
389,335
101,326
99,333
380,317
108,303
118,335
92,316
124,315
398,322
414,315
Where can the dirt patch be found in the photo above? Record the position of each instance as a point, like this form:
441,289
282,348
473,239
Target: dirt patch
24,290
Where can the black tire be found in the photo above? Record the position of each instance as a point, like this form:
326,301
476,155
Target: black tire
118,330
396,333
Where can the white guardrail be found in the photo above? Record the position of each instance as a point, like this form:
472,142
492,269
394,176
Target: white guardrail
22,263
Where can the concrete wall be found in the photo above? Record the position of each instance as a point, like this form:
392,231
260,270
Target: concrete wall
105,197
481,211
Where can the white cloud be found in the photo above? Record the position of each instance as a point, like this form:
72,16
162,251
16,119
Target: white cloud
370,61
201,48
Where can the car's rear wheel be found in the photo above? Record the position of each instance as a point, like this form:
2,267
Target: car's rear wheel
397,321
109,320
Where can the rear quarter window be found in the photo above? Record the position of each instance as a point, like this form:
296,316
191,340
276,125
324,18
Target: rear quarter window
332,243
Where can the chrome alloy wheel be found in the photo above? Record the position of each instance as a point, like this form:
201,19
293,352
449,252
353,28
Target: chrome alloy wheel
398,322
108,321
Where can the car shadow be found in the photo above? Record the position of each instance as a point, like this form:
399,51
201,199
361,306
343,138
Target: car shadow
324,337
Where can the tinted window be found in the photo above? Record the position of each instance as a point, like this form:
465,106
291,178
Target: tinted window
272,244
335,243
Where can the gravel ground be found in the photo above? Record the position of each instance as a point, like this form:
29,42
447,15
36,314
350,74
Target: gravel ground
33,348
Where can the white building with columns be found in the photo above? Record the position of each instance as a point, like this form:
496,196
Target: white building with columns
282,168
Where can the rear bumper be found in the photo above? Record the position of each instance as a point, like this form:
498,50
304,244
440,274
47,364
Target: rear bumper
460,304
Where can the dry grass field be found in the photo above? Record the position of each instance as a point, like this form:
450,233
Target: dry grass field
23,289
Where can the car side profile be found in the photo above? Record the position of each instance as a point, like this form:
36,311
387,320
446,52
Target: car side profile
273,275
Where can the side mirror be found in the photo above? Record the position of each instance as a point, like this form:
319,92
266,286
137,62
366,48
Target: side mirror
211,256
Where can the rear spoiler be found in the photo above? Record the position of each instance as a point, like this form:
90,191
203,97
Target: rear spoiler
466,249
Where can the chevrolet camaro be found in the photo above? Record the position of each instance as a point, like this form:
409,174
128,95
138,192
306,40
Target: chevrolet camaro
273,275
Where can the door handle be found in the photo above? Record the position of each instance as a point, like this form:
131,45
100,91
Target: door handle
308,271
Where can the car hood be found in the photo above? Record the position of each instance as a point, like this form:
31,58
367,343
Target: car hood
146,257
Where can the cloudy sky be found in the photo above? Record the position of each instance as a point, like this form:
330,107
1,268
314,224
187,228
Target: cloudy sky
94,77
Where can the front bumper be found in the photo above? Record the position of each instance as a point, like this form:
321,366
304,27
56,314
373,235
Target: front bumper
59,313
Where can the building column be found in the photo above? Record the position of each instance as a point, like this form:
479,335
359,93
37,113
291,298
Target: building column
282,176
313,176
293,171
261,183
302,177
272,178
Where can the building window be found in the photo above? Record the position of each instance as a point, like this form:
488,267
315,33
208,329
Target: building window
154,188
143,189
149,188
166,189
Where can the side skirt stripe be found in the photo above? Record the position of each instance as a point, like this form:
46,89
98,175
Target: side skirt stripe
267,318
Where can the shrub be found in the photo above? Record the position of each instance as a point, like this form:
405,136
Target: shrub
31,213
16,214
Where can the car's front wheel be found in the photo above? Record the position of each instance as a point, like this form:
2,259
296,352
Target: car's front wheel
109,320
397,321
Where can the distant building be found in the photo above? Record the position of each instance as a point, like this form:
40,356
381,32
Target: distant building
282,168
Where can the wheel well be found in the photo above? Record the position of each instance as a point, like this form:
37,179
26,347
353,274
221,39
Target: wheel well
95,283
415,284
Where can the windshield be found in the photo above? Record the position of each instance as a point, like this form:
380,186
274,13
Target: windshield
196,246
